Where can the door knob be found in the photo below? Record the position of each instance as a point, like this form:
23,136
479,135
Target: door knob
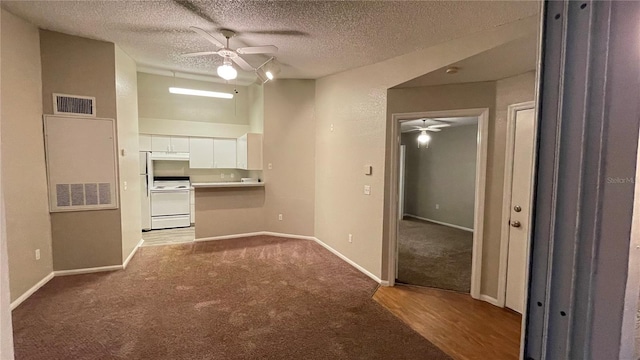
515,223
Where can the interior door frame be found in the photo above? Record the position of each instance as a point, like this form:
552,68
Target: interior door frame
512,110
480,189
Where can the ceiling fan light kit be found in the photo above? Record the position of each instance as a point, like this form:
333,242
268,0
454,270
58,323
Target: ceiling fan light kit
227,71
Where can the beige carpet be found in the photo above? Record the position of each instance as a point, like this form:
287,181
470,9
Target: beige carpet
251,298
434,255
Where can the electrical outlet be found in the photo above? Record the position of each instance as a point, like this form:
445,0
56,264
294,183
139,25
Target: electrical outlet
221,176
233,175
280,217
437,206
125,186
367,189
331,128
37,254
270,166
350,238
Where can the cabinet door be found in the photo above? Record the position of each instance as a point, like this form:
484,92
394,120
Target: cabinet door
145,142
179,144
201,153
160,143
241,152
224,153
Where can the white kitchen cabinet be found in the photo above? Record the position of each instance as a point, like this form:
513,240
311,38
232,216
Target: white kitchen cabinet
179,144
224,153
169,143
145,142
201,153
249,152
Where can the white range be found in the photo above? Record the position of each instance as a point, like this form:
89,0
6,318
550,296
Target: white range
170,203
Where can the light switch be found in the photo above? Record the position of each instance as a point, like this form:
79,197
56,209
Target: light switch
368,169
123,152
367,189
270,166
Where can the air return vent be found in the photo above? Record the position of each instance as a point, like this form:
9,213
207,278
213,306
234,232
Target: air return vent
74,105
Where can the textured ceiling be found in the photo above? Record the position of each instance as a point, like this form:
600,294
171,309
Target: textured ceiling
315,38
409,125
504,61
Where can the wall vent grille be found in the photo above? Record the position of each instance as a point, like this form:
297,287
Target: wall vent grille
83,195
74,105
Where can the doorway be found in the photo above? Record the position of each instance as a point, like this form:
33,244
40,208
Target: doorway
478,118
435,232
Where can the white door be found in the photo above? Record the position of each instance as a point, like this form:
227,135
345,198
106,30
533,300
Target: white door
179,144
160,143
201,153
520,208
403,152
224,153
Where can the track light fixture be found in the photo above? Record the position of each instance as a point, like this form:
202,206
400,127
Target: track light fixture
268,70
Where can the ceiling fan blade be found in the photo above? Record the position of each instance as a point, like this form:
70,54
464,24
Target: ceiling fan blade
434,130
207,36
242,63
266,49
201,53
436,126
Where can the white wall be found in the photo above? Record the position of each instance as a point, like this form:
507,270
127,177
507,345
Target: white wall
354,102
128,167
28,224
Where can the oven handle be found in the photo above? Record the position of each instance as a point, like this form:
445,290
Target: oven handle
170,191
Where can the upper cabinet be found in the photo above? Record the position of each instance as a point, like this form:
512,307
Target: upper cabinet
169,143
224,153
249,152
145,142
201,153
208,153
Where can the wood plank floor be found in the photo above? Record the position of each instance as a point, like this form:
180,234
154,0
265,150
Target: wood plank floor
462,327
169,236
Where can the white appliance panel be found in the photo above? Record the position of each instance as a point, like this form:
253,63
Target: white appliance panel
166,222
169,202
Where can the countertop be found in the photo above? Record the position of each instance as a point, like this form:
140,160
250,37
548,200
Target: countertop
227,184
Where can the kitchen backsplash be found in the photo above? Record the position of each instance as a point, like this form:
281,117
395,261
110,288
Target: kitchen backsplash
181,168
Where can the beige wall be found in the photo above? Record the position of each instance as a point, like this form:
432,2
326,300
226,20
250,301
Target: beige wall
289,133
156,102
28,225
355,103
80,66
228,211
128,165
256,108
442,174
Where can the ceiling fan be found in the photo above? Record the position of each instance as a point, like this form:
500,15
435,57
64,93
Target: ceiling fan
226,70
434,127
424,138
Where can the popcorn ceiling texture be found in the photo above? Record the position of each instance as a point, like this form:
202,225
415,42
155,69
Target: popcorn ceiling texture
315,38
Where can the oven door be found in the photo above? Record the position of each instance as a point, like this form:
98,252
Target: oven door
169,202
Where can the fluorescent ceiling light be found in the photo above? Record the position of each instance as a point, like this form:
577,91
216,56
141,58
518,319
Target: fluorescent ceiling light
214,94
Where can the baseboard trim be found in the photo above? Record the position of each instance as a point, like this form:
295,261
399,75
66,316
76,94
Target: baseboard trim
87,270
291,236
232,236
384,283
491,300
133,252
440,222
32,290
349,261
